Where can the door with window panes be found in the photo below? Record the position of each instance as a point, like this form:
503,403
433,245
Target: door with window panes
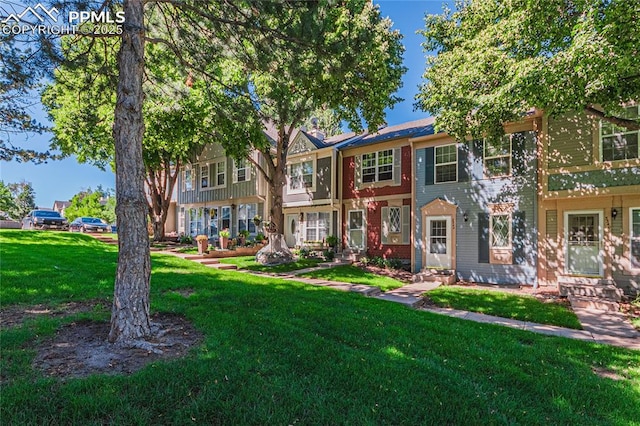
583,233
438,253
356,229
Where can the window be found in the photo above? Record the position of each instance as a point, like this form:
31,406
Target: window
242,172
619,143
500,231
195,221
301,175
181,220
317,226
221,172
635,237
446,165
497,156
188,179
225,218
246,213
204,176
377,166
213,222
394,220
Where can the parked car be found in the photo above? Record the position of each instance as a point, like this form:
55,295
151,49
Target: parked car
89,224
44,219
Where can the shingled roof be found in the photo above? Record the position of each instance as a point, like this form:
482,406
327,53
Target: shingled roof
410,129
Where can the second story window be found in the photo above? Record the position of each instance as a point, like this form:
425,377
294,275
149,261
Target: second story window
204,176
301,175
446,164
620,143
242,172
188,179
377,166
497,156
221,172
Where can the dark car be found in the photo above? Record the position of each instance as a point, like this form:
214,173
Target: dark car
89,224
44,219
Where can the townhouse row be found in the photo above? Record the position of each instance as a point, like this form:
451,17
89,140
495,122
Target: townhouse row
556,200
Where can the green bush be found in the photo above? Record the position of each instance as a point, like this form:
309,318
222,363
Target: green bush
329,255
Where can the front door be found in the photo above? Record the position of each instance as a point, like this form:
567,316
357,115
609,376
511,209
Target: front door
292,230
438,242
583,233
356,229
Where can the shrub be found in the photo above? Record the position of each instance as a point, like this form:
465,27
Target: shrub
395,263
332,241
305,252
329,255
186,239
365,260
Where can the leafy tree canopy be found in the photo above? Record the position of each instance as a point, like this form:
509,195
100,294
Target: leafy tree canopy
493,61
87,204
24,199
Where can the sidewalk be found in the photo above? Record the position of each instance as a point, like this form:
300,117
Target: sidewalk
599,327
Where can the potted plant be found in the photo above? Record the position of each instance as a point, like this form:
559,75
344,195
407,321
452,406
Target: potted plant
224,238
260,238
242,237
332,242
257,220
203,243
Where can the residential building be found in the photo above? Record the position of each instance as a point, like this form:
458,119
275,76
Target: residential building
312,208
377,191
589,207
474,205
216,192
61,206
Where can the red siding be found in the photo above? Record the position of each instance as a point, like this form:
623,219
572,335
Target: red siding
348,186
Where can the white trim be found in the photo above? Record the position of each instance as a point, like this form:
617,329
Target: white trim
363,228
600,214
624,132
314,173
485,157
435,163
449,244
377,166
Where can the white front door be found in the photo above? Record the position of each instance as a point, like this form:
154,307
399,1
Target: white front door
356,229
438,253
292,230
583,233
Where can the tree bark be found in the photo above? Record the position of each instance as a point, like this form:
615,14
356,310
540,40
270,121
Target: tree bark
130,312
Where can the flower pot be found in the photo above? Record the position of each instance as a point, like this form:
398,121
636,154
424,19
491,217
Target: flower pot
202,246
224,241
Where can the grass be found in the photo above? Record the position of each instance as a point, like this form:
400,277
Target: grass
249,262
281,352
506,305
354,275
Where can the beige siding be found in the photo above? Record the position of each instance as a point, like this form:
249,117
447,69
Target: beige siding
570,141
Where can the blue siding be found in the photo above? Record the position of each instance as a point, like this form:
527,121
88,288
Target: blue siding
473,197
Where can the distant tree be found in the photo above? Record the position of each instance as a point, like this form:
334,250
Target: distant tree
24,198
327,120
7,203
492,61
86,204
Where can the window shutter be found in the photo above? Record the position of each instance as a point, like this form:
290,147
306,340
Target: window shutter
193,177
430,166
483,237
397,166
235,172
519,238
463,162
384,222
518,154
357,178
406,224
478,149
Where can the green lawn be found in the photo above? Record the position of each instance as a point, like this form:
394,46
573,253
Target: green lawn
280,352
249,262
506,305
354,275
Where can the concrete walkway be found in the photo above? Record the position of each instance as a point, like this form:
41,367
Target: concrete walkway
598,326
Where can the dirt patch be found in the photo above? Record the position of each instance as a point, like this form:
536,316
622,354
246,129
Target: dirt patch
13,316
80,349
398,274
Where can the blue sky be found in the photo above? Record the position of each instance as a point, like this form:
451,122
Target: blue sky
60,180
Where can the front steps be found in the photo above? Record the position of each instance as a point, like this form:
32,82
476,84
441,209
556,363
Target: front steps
444,276
591,293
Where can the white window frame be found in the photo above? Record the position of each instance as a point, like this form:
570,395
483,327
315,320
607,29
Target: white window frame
377,156
203,168
249,224
290,178
214,219
449,163
316,228
619,131
485,157
633,238
221,218
217,164
246,168
509,217
392,229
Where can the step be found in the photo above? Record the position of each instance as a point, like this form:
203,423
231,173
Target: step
593,303
194,257
444,276
600,291
208,261
222,266
336,262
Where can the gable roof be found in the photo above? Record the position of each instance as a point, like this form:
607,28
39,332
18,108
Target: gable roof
409,129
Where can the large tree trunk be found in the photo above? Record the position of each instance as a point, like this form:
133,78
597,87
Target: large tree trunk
130,312
160,184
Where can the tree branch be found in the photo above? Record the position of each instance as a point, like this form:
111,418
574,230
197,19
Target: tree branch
618,121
